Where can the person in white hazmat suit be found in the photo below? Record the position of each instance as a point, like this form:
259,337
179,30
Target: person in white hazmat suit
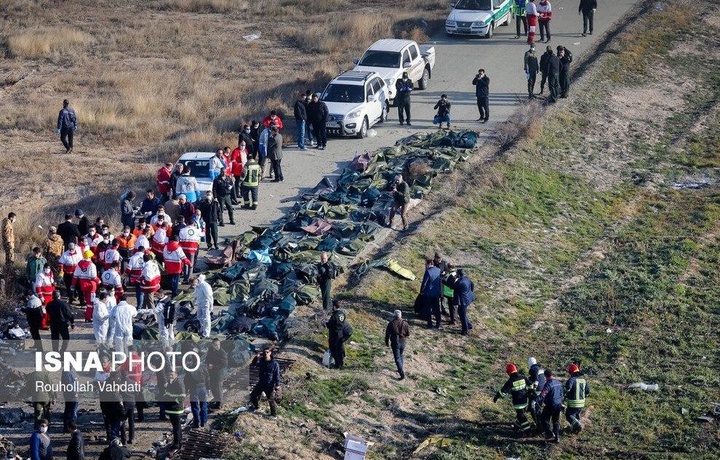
164,311
100,319
122,318
204,303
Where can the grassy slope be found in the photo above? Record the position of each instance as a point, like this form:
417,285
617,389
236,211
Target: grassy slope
581,249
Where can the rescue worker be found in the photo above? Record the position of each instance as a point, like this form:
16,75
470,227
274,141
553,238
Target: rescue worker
552,400
159,239
67,263
125,247
150,279
339,333
164,312
45,286
210,211
544,10
111,255
8,238
121,321
162,180
135,266
174,398
174,259
189,239
404,87
223,190
536,377
401,200
326,273
204,302
53,247
268,382
516,386
449,277
250,182
101,316
187,185
518,10
144,239
576,389
33,310
532,20
111,280
34,264
239,158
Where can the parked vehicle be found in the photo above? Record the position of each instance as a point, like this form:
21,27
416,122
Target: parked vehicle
478,17
391,57
199,163
356,101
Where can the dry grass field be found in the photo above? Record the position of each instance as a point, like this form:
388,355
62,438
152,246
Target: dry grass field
150,79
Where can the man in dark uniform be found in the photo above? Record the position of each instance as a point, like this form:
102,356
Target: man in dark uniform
553,67
174,397
223,189
544,67
552,399
404,87
401,200
565,57
576,389
587,9
482,93
211,214
516,386
339,332
326,273
531,70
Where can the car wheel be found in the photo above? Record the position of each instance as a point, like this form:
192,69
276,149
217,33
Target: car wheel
489,33
363,129
423,82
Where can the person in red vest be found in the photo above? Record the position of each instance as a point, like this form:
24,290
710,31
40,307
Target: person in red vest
189,237
135,266
174,258
67,263
111,280
45,286
86,280
239,159
162,180
273,118
532,19
159,240
111,255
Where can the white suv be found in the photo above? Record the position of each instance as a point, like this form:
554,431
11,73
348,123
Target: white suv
356,100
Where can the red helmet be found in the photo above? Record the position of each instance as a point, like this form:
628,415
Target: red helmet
573,368
510,368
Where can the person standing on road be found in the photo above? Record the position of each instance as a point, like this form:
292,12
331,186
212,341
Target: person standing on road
174,408
532,68
553,66
61,321
545,67
8,238
443,111
404,87
532,20
396,333
317,113
223,189
275,153
250,184
587,9
300,113
482,93
309,131
544,10
565,57
339,333
518,10
326,273
66,126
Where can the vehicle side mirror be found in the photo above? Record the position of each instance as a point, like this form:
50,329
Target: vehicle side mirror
356,61
372,98
407,65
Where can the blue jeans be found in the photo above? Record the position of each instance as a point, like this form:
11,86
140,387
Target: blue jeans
464,321
70,413
199,406
398,350
139,295
300,133
175,284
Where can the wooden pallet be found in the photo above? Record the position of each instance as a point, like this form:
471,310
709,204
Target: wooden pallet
201,443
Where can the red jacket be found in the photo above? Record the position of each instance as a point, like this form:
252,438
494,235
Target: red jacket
163,180
239,158
189,239
174,258
278,121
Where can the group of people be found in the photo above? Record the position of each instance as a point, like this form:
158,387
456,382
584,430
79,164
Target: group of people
534,15
545,398
554,69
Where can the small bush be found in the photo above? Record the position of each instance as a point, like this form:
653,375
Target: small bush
39,43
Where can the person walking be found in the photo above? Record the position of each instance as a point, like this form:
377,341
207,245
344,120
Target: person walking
121,320
326,274
587,9
443,112
211,213
516,386
401,200
403,86
61,321
339,333
268,381
217,363
482,93
76,446
396,334
40,443
223,189
565,57
552,398
518,10
544,10
532,68
8,238
66,126
250,183
463,296
317,113
576,389
275,153
300,112
532,20
430,289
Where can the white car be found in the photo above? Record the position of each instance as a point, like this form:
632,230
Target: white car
356,101
478,17
199,163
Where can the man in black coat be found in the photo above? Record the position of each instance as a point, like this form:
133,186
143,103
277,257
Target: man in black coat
68,231
300,112
245,137
61,319
224,189
216,360
76,446
531,70
404,87
211,214
553,67
268,381
317,113
339,333
482,93
326,273
587,9
544,67
565,57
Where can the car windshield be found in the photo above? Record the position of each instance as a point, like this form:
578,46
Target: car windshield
374,58
474,5
343,93
198,168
